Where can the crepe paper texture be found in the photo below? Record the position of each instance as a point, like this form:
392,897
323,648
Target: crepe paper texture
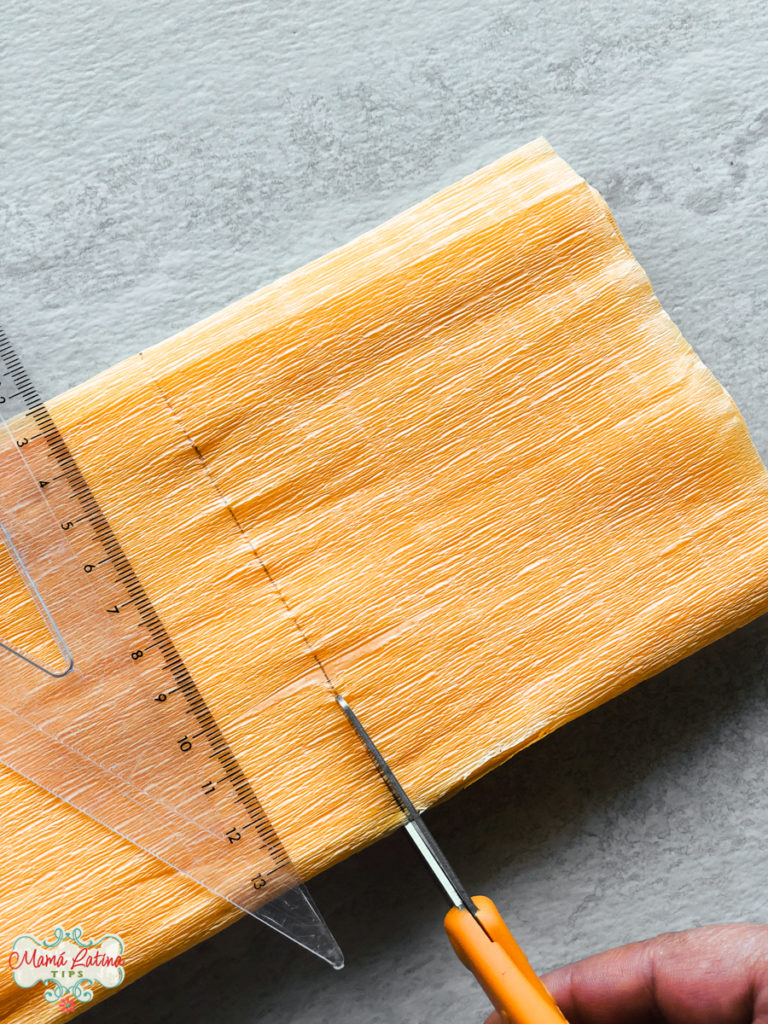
465,468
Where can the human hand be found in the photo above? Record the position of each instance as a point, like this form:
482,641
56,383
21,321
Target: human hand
713,975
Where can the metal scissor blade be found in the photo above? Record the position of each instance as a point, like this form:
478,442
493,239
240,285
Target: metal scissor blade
423,839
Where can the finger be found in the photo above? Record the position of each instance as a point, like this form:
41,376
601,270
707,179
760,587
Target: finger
704,976
714,975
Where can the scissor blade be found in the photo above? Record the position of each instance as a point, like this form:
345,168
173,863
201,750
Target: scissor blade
423,839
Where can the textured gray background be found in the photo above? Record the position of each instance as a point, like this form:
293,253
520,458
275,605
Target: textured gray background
161,160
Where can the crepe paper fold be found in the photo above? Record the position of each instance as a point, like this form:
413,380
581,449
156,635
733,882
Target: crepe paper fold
464,468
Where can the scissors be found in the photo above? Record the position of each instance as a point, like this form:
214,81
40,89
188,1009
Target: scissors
475,927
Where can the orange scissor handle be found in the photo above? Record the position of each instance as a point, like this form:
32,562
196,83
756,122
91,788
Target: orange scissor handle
500,966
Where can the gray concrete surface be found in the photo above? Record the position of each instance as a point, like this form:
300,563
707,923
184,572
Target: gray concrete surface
162,159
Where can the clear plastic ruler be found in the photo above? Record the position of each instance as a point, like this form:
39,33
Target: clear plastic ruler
108,717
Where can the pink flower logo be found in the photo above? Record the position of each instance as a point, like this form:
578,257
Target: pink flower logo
68,1004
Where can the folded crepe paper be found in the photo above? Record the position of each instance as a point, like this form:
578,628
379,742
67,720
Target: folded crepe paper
465,468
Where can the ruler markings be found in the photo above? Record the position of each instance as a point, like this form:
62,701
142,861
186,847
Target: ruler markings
91,511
